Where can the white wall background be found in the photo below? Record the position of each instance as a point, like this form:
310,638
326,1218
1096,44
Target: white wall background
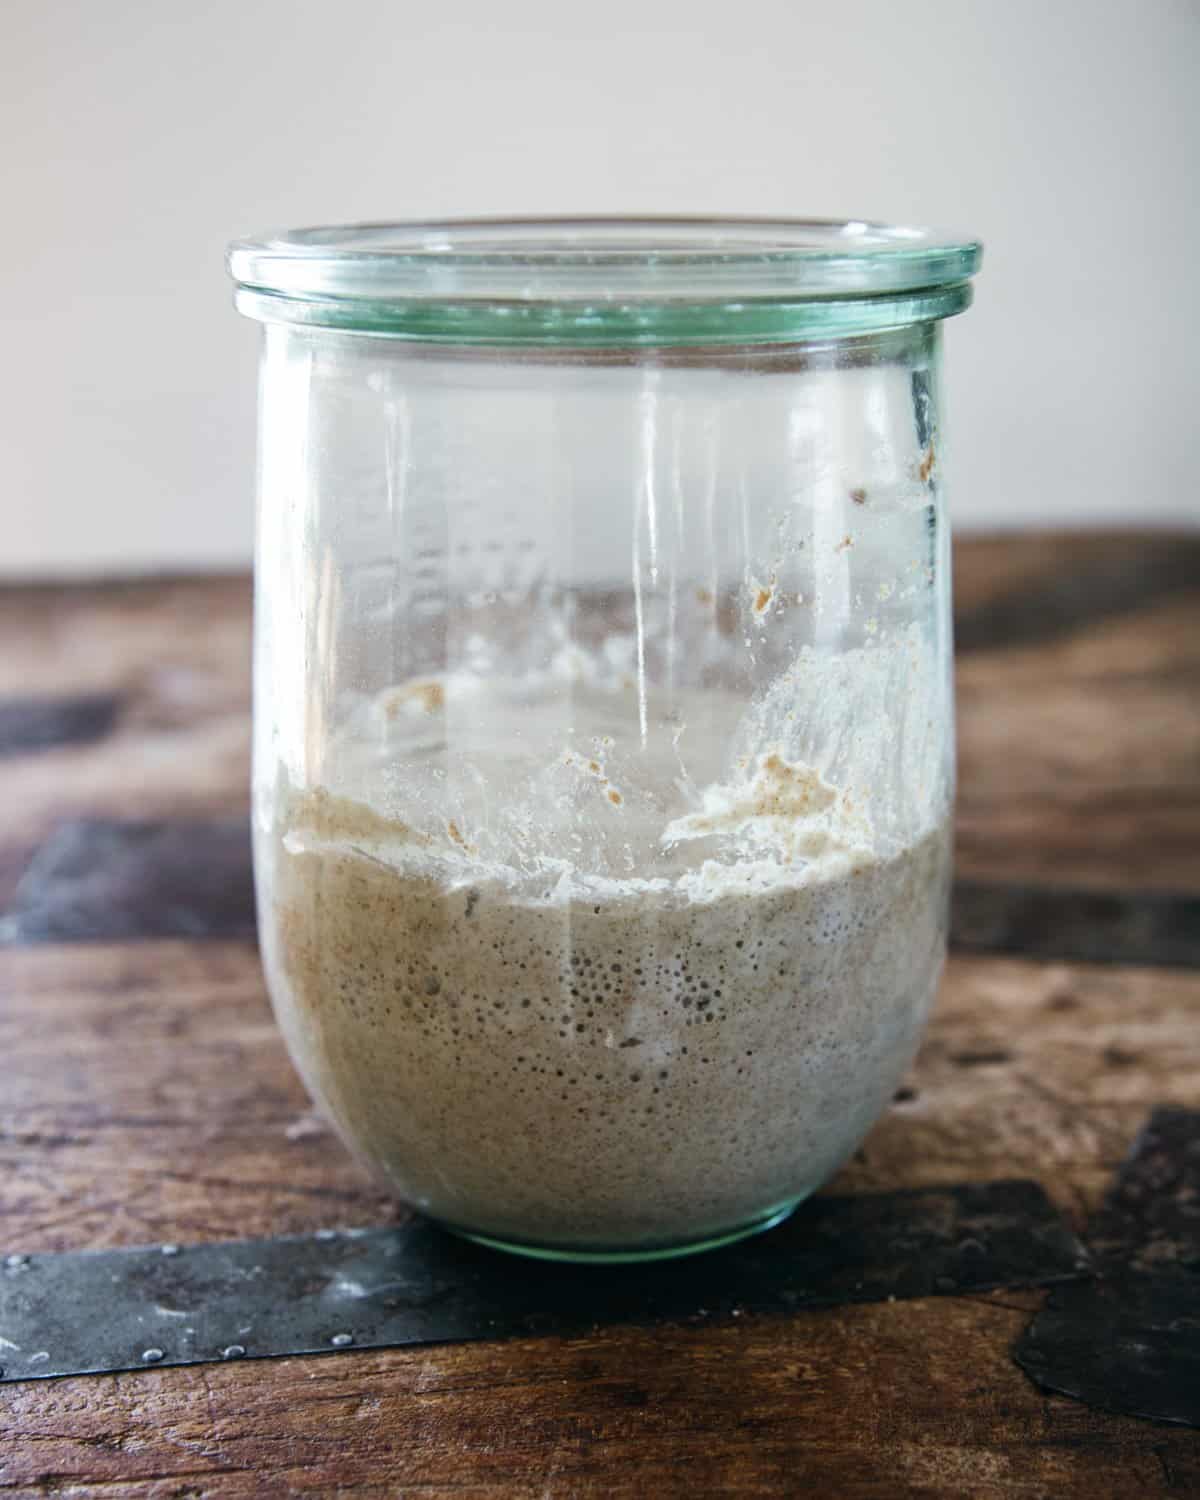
138,136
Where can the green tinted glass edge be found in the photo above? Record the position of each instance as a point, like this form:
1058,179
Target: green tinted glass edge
592,325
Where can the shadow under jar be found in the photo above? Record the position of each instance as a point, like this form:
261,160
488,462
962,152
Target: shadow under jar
603,710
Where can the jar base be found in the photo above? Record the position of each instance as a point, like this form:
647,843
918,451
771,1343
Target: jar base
584,1256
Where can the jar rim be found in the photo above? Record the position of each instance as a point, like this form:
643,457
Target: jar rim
606,279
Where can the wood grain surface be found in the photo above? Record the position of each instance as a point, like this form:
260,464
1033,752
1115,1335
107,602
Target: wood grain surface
144,1095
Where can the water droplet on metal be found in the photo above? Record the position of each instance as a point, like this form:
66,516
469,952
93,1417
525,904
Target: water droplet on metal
151,1356
233,1351
168,1249
326,1234
1,1372
16,1262
39,1358
340,1340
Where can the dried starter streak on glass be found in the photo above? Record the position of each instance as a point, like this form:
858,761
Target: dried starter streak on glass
75,1313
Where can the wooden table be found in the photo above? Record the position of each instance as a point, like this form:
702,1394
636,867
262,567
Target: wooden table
145,1096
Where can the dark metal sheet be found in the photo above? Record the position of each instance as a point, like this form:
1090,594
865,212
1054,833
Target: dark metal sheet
1063,602
103,881
128,1309
1084,926
1151,1215
28,724
1129,1340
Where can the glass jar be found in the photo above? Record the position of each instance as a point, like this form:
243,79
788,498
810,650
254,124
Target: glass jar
604,724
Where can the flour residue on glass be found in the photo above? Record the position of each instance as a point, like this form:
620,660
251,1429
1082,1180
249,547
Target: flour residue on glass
550,793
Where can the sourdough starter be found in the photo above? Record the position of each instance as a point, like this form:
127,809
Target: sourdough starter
648,991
